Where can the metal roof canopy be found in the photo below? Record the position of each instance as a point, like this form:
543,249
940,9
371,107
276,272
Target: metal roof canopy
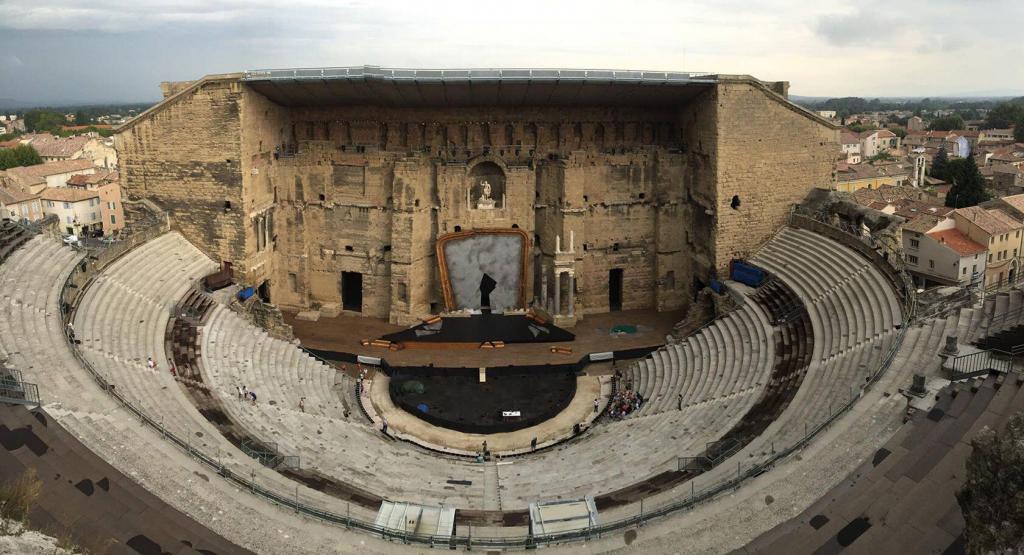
552,517
371,85
413,518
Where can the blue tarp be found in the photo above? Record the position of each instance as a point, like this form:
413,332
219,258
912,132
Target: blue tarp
747,273
244,294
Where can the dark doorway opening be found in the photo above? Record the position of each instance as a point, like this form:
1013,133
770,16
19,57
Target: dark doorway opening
352,291
264,291
615,289
487,285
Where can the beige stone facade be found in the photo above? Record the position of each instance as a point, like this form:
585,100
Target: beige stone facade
294,194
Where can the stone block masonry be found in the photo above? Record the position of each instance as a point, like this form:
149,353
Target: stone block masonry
333,203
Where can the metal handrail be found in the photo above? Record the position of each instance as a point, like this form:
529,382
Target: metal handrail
478,74
288,501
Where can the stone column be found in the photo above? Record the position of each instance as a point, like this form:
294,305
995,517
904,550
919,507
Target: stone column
558,294
544,286
572,295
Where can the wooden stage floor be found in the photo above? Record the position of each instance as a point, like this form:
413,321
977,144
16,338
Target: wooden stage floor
344,332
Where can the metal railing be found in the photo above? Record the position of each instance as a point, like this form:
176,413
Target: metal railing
479,74
81,278
15,390
984,362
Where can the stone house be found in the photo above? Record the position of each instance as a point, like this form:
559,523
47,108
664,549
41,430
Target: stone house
79,210
995,227
937,253
18,205
33,179
876,141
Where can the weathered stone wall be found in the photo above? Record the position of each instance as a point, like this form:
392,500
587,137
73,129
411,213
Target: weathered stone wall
769,155
369,190
186,156
315,192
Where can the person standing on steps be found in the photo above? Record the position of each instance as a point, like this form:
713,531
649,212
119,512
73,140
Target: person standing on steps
302,404
150,364
241,395
384,425
597,404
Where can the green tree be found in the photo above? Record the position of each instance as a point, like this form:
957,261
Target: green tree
968,185
992,498
1018,130
44,120
82,118
1005,114
940,163
21,155
899,132
947,123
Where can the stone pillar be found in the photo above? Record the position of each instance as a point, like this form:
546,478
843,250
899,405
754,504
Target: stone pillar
558,295
544,286
572,295
951,347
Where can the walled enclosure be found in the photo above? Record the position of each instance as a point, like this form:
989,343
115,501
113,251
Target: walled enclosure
295,193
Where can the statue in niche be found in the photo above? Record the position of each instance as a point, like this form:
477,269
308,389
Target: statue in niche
484,201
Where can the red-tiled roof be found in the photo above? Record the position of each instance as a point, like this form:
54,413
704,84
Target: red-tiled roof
957,241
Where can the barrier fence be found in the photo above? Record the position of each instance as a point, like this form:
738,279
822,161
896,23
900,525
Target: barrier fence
81,277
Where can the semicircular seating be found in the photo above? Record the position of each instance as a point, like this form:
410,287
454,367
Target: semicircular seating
722,374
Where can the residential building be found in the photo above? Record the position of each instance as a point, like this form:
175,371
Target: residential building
101,151
79,210
851,178
999,134
929,142
18,205
1000,232
850,147
876,141
52,148
1007,179
108,186
33,179
915,123
828,114
937,253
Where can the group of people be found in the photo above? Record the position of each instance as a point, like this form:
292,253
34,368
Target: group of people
624,402
244,394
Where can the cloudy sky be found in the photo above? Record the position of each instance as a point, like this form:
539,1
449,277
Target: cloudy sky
119,50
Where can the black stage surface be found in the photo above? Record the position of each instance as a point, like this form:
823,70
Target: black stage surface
455,398
479,328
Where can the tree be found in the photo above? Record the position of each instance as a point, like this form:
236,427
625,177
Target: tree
1018,130
948,123
1005,114
968,186
939,164
43,120
992,498
899,132
21,155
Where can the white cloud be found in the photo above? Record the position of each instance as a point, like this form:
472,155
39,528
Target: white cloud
829,47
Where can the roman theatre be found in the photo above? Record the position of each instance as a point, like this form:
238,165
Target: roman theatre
482,309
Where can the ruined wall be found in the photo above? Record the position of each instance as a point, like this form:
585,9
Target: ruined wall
186,157
769,155
369,190
315,192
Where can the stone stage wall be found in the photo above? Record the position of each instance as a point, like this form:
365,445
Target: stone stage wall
296,196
